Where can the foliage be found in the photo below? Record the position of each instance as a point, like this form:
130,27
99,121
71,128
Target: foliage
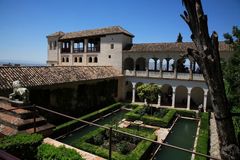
149,92
179,38
236,122
186,113
203,138
149,119
49,152
141,150
23,146
91,116
231,68
124,147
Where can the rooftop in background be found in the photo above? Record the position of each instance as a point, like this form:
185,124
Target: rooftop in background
41,76
92,32
167,47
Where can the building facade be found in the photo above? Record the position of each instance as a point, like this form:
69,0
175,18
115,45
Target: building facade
181,80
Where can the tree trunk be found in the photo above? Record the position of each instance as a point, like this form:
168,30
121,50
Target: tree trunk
207,56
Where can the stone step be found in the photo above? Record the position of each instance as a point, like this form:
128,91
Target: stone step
9,109
5,130
45,129
18,123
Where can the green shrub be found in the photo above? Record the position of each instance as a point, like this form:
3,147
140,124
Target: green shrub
186,113
124,147
61,129
49,152
164,121
140,150
203,137
236,122
23,146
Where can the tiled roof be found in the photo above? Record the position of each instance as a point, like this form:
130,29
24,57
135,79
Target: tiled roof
48,75
96,32
171,46
60,33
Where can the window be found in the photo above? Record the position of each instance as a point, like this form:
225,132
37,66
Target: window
95,59
112,46
90,59
80,59
75,59
54,45
63,59
67,59
50,45
93,45
78,46
109,56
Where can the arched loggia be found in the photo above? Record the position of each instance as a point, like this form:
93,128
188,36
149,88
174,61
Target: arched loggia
128,64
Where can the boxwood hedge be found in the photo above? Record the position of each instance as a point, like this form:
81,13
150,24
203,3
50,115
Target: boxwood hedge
151,120
70,125
49,152
23,146
203,137
140,152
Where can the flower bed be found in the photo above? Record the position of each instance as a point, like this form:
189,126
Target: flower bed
123,147
161,118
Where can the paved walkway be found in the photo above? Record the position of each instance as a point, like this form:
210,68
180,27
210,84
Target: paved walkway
85,155
214,142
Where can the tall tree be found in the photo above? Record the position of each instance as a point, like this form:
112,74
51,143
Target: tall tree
207,56
149,92
231,69
180,38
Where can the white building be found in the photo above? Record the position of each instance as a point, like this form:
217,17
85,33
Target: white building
180,78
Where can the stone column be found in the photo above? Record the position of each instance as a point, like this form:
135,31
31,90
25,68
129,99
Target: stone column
173,96
205,100
175,69
160,68
133,92
146,68
167,59
190,71
189,98
59,52
134,67
85,45
194,66
71,46
159,101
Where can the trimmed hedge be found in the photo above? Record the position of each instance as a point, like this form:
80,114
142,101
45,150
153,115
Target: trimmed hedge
49,152
140,152
186,113
61,129
236,122
23,146
151,120
203,137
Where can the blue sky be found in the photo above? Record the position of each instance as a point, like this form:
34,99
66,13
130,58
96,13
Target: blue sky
25,23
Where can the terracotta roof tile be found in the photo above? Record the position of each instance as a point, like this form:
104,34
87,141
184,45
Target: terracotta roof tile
96,32
171,46
48,75
60,33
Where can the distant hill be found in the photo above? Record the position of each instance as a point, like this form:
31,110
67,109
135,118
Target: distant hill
21,63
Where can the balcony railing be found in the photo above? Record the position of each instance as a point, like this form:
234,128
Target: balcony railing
165,75
93,49
78,50
65,50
